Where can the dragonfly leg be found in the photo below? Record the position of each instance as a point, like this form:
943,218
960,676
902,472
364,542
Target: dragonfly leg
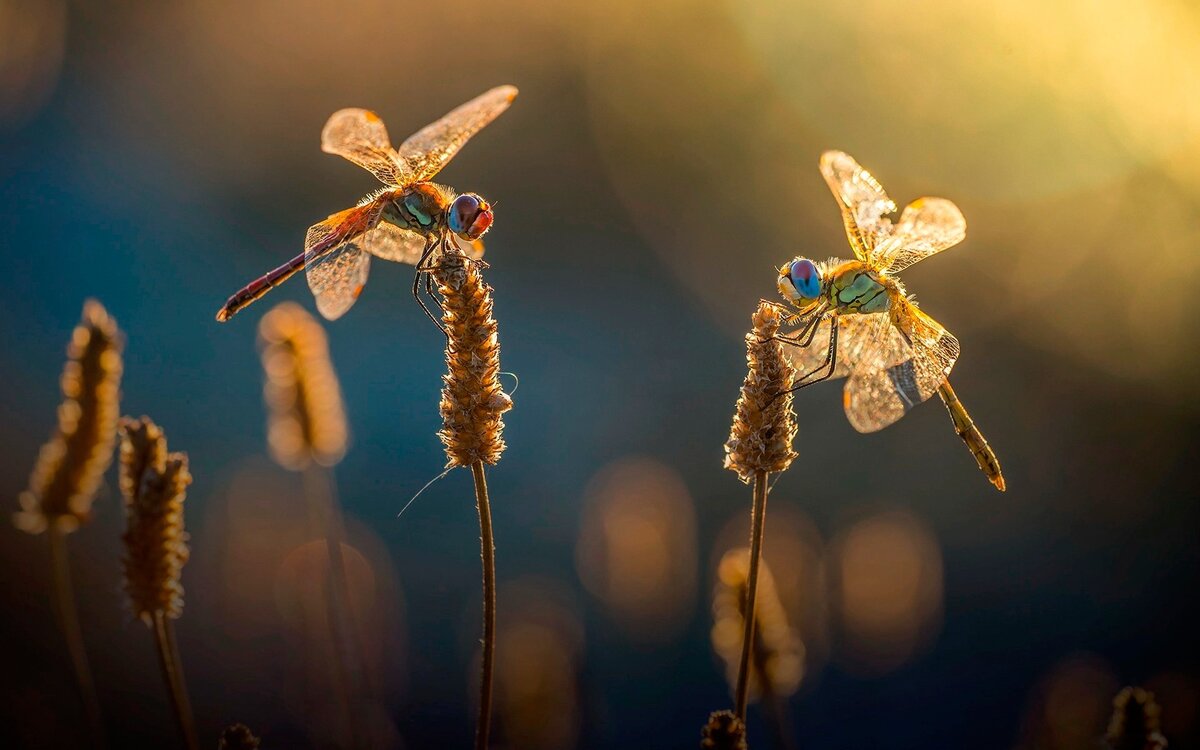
829,364
416,287
809,330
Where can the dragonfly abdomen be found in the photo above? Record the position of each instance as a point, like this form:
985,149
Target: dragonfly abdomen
260,286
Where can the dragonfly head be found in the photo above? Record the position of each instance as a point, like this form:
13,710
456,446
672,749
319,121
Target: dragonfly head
800,282
469,216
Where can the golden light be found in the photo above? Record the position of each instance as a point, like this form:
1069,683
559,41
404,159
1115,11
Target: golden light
32,41
637,547
887,583
1070,707
539,649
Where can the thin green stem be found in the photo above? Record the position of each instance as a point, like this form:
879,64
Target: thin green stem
68,620
172,667
487,550
319,489
757,525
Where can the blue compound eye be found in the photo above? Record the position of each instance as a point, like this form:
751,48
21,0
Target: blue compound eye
806,278
462,213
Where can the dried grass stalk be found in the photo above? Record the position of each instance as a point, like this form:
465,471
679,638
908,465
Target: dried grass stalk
764,425
724,731
778,659
472,405
1135,723
70,467
472,398
760,442
306,418
154,484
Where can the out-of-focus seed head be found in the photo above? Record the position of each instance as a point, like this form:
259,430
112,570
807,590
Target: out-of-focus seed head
306,420
71,466
154,485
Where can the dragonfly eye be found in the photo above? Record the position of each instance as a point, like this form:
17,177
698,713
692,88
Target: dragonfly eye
806,278
469,216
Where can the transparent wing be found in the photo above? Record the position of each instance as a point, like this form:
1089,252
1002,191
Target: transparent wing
360,136
927,227
427,151
392,243
861,198
473,249
912,357
856,335
337,277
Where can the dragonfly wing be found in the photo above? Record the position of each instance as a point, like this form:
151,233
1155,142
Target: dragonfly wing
427,151
473,249
862,200
360,136
927,227
856,333
909,361
390,242
337,277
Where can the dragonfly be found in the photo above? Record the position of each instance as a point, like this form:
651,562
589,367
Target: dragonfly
410,220
854,319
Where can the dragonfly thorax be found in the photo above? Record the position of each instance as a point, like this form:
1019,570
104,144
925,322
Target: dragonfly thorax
855,287
420,208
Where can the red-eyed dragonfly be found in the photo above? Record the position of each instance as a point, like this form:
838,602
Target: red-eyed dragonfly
410,220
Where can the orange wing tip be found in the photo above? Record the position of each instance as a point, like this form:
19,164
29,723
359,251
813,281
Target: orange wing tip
223,315
510,90
998,480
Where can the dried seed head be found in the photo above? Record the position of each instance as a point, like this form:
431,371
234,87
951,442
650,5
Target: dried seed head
724,731
1135,722
778,651
238,737
154,484
472,399
305,417
70,467
763,423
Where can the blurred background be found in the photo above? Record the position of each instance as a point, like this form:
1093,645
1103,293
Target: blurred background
659,163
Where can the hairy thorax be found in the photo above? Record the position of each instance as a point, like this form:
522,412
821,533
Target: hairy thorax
420,207
853,287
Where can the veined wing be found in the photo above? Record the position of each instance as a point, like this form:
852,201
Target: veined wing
927,227
862,200
360,136
390,242
427,151
856,335
907,364
337,277
334,260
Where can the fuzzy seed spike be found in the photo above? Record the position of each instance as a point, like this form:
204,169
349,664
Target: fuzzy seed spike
764,425
154,484
724,731
71,466
1135,722
472,398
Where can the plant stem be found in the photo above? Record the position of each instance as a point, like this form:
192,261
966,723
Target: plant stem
319,488
68,617
168,659
487,550
757,524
